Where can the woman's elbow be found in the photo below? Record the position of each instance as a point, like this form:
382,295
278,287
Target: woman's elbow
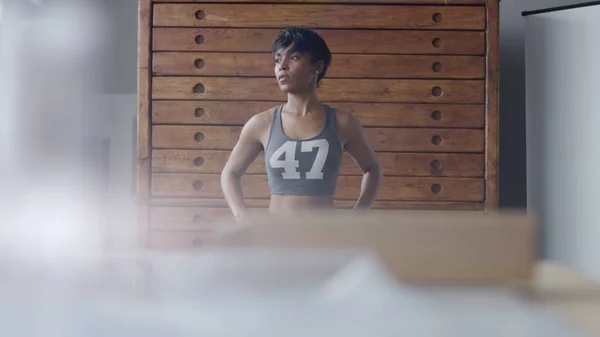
228,174
379,172
375,170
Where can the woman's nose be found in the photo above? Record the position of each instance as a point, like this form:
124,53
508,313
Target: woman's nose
283,64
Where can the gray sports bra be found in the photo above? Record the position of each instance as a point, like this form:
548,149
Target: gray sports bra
303,167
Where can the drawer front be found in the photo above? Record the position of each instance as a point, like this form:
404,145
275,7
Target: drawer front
179,240
261,205
369,114
392,188
202,219
349,66
363,41
382,139
394,164
332,90
322,16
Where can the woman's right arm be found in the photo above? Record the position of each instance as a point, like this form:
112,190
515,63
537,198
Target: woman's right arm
243,154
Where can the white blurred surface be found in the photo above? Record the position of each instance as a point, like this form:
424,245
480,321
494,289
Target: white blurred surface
51,166
253,293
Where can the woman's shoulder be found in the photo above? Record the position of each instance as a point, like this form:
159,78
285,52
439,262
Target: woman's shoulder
343,118
263,117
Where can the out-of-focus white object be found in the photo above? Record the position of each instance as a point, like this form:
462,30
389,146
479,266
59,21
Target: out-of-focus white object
252,292
50,186
563,119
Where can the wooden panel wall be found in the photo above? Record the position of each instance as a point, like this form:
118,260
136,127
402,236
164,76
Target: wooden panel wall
421,75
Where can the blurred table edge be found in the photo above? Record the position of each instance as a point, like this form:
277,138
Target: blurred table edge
569,293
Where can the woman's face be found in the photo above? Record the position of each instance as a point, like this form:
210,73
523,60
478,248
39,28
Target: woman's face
295,71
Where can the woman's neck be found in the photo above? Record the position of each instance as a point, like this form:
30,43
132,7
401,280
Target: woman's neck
302,104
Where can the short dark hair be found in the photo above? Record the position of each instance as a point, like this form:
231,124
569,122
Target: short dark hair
304,40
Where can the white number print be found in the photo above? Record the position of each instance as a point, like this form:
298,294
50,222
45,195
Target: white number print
316,171
289,164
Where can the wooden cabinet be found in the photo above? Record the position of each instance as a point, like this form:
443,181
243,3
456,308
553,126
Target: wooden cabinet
421,75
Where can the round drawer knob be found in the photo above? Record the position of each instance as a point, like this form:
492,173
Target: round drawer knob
199,88
436,165
198,185
436,17
199,112
198,161
436,188
199,39
436,67
436,115
437,42
196,243
199,63
200,15
199,137
436,91
436,140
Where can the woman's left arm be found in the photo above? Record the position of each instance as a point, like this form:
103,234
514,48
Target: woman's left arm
358,147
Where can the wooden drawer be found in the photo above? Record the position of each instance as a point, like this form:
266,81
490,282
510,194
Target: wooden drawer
392,188
313,15
349,65
363,41
179,240
394,164
382,139
263,204
202,219
332,90
369,114
354,66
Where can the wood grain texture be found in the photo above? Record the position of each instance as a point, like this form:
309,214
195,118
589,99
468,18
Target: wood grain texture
492,102
407,2
338,41
343,204
394,164
348,188
381,139
343,66
143,122
319,15
369,114
332,90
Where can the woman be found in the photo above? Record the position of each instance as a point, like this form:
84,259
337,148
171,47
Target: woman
303,139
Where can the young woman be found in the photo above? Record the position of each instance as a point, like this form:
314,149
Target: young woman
303,139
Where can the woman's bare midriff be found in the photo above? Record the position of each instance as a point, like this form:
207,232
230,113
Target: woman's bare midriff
286,204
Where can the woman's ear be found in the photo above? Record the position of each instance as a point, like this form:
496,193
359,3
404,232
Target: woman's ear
320,66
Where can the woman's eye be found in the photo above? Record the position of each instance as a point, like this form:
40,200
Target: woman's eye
295,58
277,61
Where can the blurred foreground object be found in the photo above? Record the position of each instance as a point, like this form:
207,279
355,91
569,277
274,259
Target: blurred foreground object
275,292
52,189
430,247
334,275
